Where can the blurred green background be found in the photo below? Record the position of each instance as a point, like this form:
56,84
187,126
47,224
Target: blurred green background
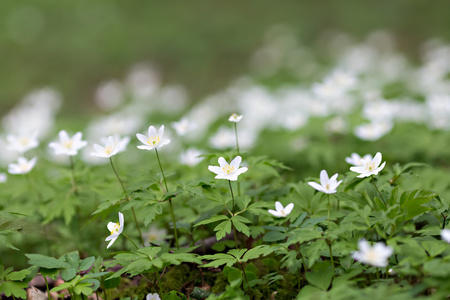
74,45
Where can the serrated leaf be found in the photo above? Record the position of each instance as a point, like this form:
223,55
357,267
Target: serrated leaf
257,252
222,229
240,226
150,212
299,220
86,263
273,236
19,275
14,288
212,220
46,261
218,260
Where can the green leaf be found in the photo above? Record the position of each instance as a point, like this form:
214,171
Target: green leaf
273,236
150,212
83,288
412,202
86,263
238,222
46,261
299,220
19,275
257,252
14,288
435,247
218,260
68,274
321,275
211,220
222,229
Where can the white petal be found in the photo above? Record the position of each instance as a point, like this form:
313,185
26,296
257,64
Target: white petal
323,177
151,131
236,162
278,206
222,162
274,212
316,186
288,208
216,169
63,136
142,138
161,131
333,178
377,159
145,147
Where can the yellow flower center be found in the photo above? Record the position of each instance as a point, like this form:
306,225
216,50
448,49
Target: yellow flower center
228,169
68,144
282,212
24,141
153,140
109,149
372,256
116,228
327,187
370,166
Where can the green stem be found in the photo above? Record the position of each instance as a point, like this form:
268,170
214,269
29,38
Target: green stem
130,241
74,180
331,254
238,152
232,195
105,296
128,199
443,222
329,208
46,284
373,181
170,202
235,237
378,274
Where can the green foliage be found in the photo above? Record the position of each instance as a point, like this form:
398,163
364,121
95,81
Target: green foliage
12,282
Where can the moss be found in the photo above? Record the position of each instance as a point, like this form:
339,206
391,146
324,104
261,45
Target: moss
174,279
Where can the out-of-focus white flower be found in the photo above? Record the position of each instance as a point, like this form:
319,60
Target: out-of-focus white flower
115,229
335,85
372,131
183,126
154,140
235,118
376,256
154,235
109,95
369,166
327,185
445,235
190,157
228,171
23,166
22,143
224,138
172,99
143,81
280,210
355,159
336,125
120,123
112,146
3,177
68,145
153,296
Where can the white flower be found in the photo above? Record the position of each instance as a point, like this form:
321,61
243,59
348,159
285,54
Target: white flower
373,131
376,256
22,143
154,296
3,178
23,166
115,229
235,118
154,235
369,166
280,210
445,235
113,145
183,126
191,157
68,146
327,185
355,159
154,139
228,171
223,138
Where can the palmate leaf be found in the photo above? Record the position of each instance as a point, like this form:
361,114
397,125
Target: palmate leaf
211,220
151,211
46,261
14,288
219,259
238,222
412,202
62,207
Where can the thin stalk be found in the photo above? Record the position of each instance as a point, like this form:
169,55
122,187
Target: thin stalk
46,285
245,277
443,222
128,199
329,208
159,283
373,181
74,180
235,237
387,272
378,274
232,195
105,296
237,148
130,241
331,255
170,202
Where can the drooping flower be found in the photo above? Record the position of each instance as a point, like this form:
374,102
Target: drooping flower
153,140
376,256
23,166
235,118
68,145
153,296
327,185
355,159
228,171
445,235
280,210
23,142
3,177
113,145
369,166
115,229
